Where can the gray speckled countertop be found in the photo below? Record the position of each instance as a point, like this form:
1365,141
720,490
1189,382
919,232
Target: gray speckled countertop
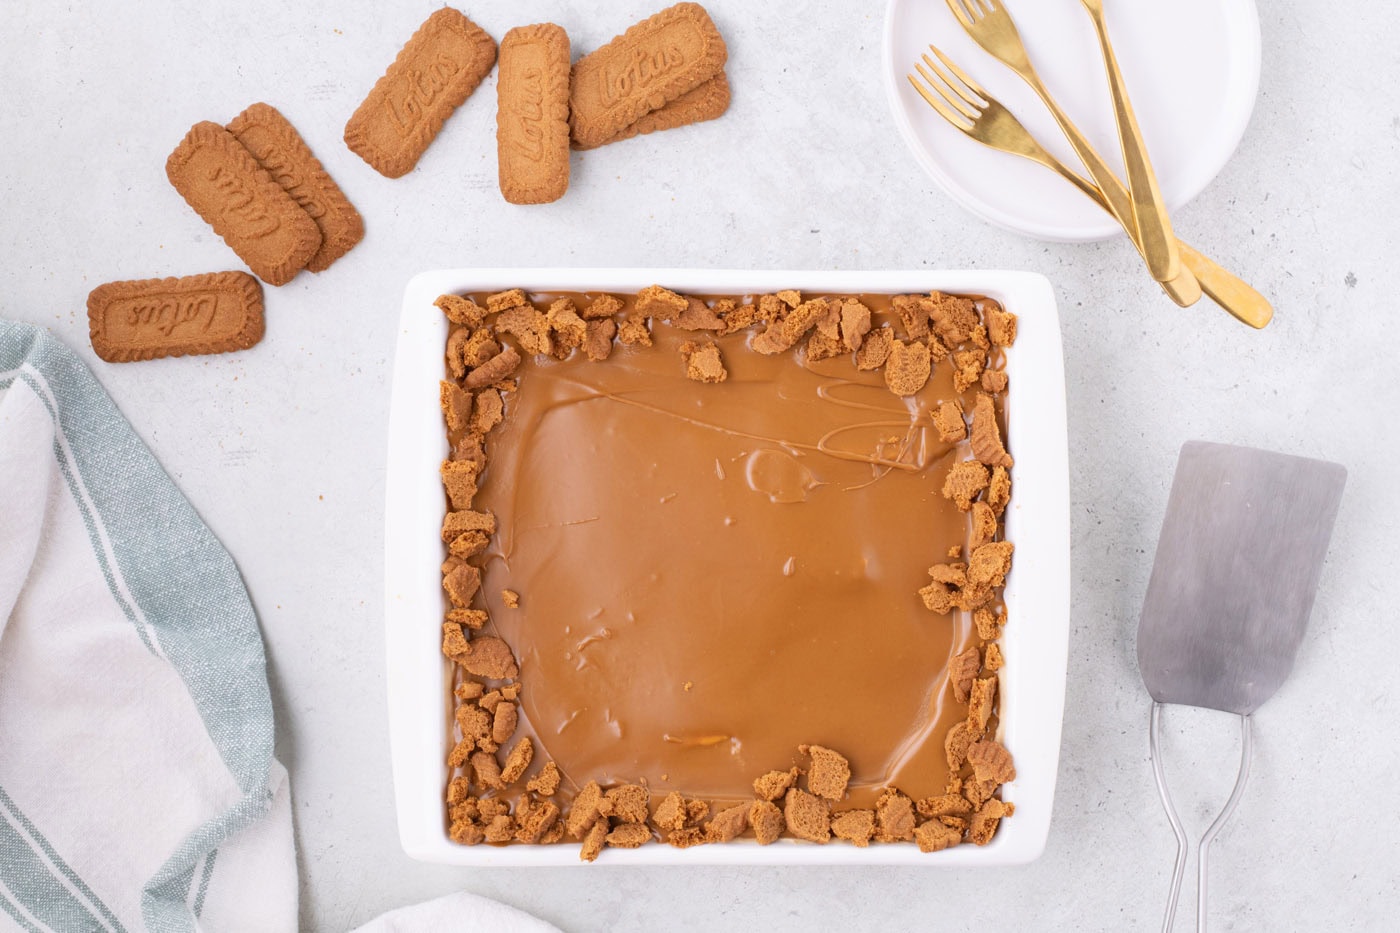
281,449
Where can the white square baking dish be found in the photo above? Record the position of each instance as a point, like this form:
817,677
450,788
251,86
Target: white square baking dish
1037,592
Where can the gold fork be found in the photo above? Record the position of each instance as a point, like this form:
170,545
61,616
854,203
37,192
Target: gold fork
1153,224
960,100
991,27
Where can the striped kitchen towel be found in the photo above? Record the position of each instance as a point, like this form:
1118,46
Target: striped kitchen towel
137,784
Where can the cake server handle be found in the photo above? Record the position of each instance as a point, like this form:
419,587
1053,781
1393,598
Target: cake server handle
1182,844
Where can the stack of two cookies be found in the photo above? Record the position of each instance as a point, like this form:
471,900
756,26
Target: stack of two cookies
664,72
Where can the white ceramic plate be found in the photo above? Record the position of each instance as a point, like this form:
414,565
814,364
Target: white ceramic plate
1191,67
1037,591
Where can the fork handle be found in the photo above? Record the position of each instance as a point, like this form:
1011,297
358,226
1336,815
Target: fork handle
1226,289
1149,211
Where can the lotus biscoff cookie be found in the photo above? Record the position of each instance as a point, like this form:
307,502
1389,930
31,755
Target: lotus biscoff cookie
238,198
709,101
642,70
279,148
433,74
150,318
532,115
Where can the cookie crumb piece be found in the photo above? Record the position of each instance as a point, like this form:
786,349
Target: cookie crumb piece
934,836
988,624
999,490
598,339
685,838
954,318
486,772
936,598
830,772
529,326
503,722
790,297
487,656
459,479
634,333
874,351
913,311
593,842
908,367
727,824
949,422
468,544
628,803
566,327
995,661
944,805
822,346
460,310
986,820
471,618
490,411
965,480
501,366
466,833
967,368
517,760
1001,324
655,301
986,436
774,784
766,820
584,812
703,362
991,762
990,563
962,672
456,405
468,690
855,324
629,836
696,810
511,599
546,782
806,816
994,380
461,584
698,316
894,814
536,820
984,524
979,706
670,814
601,307
856,826
956,744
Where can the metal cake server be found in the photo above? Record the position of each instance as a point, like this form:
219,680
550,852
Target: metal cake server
1232,586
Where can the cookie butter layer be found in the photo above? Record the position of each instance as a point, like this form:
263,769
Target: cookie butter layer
713,575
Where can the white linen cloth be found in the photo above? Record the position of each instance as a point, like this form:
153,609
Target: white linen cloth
137,784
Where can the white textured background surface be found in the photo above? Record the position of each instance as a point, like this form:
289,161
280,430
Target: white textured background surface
281,448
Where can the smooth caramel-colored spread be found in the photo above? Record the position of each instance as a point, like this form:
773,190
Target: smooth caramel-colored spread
711,575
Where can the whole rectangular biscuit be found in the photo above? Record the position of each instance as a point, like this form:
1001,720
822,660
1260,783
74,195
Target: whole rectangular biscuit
435,71
147,319
709,101
532,115
279,148
238,198
642,70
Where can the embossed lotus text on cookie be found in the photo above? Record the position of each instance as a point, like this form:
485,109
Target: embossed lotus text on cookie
433,74
709,101
238,198
645,68
150,318
279,148
532,116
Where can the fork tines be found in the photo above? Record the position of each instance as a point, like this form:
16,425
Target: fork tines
956,90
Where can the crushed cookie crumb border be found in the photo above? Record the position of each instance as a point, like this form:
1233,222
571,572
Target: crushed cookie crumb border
1033,698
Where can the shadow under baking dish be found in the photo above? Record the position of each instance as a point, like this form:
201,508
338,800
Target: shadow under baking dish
1035,641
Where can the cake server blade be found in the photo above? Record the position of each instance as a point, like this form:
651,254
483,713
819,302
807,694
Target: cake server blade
1232,586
